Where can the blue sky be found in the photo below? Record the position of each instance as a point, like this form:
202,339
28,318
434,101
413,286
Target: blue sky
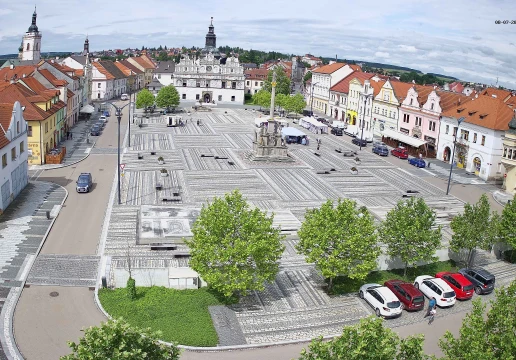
458,38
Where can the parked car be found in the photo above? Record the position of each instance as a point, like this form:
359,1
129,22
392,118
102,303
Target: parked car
411,297
322,120
95,130
400,152
417,162
483,280
381,149
103,118
459,283
358,141
381,299
84,183
101,124
308,113
124,97
336,131
437,288
106,113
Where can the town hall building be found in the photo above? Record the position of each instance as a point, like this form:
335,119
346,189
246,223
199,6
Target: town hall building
212,78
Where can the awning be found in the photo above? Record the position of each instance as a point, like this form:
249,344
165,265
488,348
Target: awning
290,131
87,109
404,138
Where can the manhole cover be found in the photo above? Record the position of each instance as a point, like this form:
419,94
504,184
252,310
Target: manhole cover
54,294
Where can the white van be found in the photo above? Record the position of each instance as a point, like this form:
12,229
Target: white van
338,124
124,97
367,136
351,130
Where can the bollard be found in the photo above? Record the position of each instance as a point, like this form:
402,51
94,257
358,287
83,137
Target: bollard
104,282
48,214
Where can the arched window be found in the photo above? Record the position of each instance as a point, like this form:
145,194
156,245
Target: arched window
28,46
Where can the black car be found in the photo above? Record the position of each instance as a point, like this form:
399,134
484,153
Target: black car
380,149
84,183
483,280
359,142
95,130
308,113
101,124
336,131
322,120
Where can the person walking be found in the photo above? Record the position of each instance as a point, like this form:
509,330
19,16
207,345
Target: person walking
71,135
431,311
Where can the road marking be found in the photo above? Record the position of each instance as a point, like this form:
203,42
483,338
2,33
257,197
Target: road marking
87,151
431,173
405,171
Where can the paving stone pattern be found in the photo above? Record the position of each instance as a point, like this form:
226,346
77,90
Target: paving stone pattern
64,270
294,306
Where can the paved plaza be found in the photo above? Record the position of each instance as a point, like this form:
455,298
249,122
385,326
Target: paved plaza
210,160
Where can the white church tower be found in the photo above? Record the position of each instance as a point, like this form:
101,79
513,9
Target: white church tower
32,41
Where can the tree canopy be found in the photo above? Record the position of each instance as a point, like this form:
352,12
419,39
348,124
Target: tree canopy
295,104
410,233
262,98
116,340
340,240
144,98
484,337
168,97
367,340
507,228
475,228
282,81
234,248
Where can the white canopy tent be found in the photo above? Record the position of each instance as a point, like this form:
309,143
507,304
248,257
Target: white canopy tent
404,138
313,125
87,109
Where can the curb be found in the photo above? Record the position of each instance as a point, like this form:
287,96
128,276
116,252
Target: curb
30,263
70,164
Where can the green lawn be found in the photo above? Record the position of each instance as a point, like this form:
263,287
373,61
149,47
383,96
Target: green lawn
181,315
345,285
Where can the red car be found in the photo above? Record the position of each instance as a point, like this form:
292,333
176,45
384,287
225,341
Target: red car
400,152
463,287
410,296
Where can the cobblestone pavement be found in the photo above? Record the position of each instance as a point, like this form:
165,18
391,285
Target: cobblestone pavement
64,270
22,228
209,160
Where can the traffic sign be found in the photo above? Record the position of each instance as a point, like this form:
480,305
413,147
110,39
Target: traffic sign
122,166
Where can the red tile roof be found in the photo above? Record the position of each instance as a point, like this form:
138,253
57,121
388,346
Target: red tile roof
29,98
343,85
256,74
400,89
128,65
144,62
6,112
355,67
6,74
450,99
377,86
52,79
499,93
103,71
485,111
79,72
422,93
329,69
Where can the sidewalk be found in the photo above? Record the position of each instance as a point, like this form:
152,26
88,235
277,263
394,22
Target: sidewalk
23,229
77,148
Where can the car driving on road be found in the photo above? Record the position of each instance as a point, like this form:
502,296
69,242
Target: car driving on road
381,299
84,183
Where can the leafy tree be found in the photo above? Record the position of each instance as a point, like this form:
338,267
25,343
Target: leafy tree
475,228
367,340
144,98
234,248
163,56
168,97
282,81
262,98
484,337
115,339
160,48
281,100
409,232
340,240
507,228
297,104
307,77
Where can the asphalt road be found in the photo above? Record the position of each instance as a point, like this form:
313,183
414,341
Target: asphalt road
43,324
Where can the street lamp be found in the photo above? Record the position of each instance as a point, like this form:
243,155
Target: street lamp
363,121
312,102
118,113
459,121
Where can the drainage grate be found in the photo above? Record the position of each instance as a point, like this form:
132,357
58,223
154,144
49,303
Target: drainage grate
54,294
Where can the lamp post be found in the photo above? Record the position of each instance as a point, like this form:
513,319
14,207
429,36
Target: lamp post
459,121
312,102
363,121
118,113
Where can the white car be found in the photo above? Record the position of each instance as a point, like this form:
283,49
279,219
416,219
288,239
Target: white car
103,118
381,299
436,288
124,97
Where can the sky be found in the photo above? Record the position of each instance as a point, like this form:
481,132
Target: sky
453,37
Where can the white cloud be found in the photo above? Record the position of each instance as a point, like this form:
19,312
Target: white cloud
381,54
407,48
5,12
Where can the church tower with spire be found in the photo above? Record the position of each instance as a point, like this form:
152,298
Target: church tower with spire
86,50
32,41
211,42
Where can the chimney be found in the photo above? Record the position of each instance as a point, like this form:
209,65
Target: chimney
52,61
11,66
23,75
493,95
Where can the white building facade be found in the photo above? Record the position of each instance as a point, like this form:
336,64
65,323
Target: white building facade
212,78
13,134
31,43
323,79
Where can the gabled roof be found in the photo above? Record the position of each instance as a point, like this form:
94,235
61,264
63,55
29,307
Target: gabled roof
256,74
143,62
18,72
166,67
355,67
377,86
485,111
66,70
103,71
400,89
6,111
29,98
128,65
450,99
113,69
52,79
343,85
498,93
80,59
155,83
422,93
79,72
329,69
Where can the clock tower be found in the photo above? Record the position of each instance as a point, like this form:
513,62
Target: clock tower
32,41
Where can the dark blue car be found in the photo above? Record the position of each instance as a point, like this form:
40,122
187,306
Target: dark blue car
95,130
106,113
417,162
380,149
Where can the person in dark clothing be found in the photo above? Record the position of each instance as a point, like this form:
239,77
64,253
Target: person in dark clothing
431,305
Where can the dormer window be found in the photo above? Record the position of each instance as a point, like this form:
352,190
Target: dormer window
411,102
482,116
472,112
459,110
432,106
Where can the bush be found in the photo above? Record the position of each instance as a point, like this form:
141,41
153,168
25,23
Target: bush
131,288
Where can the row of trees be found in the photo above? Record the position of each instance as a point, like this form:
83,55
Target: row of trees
289,103
168,97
